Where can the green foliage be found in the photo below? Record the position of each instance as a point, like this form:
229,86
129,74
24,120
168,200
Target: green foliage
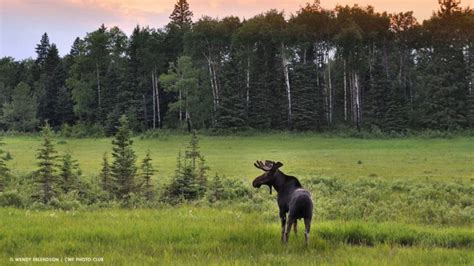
11,199
20,113
46,176
106,182
4,170
69,174
190,179
378,200
123,168
147,172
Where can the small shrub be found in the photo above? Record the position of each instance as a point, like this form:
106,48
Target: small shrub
11,199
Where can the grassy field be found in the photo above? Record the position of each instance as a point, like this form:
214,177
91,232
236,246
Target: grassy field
302,155
204,236
378,202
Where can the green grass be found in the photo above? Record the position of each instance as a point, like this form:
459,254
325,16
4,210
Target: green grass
378,202
201,235
303,155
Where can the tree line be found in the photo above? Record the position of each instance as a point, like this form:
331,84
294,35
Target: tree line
319,69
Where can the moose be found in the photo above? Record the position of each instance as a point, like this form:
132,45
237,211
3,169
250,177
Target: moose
292,197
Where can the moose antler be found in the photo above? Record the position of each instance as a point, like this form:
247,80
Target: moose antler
267,166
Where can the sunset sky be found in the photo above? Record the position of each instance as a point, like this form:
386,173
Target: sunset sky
22,22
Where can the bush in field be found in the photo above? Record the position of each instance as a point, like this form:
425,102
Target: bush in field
224,189
11,199
215,191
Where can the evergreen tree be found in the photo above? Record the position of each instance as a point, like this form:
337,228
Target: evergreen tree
106,181
46,175
396,117
216,190
189,181
4,171
42,49
69,174
184,185
307,103
181,15
146,175
231,112
123,168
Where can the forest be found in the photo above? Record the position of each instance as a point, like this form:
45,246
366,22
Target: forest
318,69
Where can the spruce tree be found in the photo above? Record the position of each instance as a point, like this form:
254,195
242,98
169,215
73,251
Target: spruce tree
307,106
146,175
42,49
184,184
4,171
231,112
69,174
106,182
123,168
46,175
181,15
216,189
189,181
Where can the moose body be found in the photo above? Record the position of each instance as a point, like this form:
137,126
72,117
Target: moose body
292,198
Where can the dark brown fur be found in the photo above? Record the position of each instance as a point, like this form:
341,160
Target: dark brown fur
292,197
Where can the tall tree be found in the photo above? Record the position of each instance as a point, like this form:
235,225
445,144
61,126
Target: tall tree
182,79
42,49
46,175
123,168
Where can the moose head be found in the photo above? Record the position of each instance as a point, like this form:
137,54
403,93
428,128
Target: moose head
268,177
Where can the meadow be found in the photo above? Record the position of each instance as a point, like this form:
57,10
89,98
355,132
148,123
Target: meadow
378,202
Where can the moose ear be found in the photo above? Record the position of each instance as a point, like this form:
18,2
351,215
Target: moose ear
277,165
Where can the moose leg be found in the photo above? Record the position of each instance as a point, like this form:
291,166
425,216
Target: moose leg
307,225
283,223
295,226
291,220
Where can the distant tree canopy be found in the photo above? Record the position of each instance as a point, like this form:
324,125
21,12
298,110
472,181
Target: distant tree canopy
319,69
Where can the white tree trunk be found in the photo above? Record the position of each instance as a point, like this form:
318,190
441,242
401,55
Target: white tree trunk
345,91
285,64
157,93
471,68
330,92
211,76
357,100
180,108
247,99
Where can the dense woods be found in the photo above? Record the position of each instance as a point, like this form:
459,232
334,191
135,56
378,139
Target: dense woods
317,69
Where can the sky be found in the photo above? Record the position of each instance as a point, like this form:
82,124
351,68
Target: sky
22,22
